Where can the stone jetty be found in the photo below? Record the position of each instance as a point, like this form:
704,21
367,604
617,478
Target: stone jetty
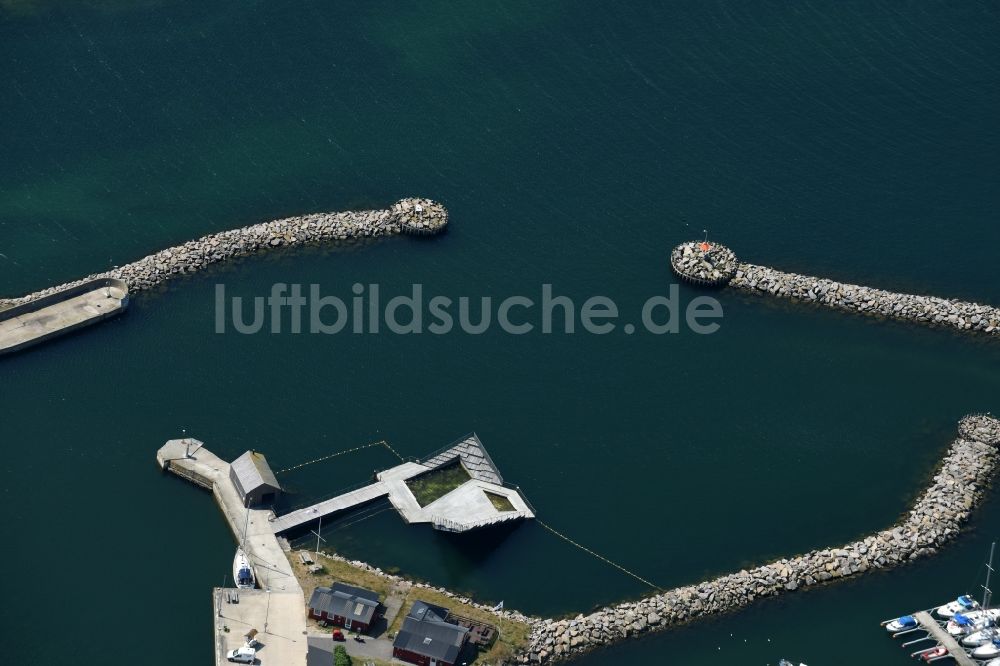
411,216
704,263
936,518
711,264
932,310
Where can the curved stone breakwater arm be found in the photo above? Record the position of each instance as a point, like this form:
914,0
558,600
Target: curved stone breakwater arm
932,310
713,264
936,517
414,216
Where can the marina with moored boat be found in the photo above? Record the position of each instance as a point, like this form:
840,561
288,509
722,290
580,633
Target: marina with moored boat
964,630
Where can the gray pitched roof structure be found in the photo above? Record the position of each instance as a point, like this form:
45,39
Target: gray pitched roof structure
354,603
426,632
472,453
250,471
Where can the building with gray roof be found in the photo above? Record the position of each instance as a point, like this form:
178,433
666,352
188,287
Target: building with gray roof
427,637
345,606
254,480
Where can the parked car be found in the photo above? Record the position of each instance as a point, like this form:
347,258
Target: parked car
338,635
244,655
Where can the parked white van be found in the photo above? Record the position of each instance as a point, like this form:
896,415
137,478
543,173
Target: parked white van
245,655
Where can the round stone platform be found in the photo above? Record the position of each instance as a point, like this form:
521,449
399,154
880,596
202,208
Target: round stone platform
422,217
704,263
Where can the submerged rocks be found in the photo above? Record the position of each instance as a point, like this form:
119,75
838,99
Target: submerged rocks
931,310
936,517
407,215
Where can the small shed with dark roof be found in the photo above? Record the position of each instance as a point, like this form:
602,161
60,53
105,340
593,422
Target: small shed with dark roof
345,606
427,638
254,480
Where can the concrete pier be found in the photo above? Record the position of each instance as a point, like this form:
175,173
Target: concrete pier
464,508
280,613
349,500
280,636
56,314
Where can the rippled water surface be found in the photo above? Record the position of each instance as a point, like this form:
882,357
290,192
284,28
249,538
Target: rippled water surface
574,144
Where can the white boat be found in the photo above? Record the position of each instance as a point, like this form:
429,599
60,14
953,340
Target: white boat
977,638
901,624
967,623
242,571
993,662
963,604
987,650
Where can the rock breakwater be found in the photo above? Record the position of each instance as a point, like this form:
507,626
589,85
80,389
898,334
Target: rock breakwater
418,216
711,264
512,615
936,517
930,310
704,263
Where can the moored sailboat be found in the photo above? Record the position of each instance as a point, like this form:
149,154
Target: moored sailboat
242,571
987,650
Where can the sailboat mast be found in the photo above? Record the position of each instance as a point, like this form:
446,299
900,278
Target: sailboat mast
246,526
987,593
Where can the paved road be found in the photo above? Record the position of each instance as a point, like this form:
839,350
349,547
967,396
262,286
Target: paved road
321,650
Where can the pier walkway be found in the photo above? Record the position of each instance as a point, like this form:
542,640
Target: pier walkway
31,323
278,609
203,467
326,507
464,508
932,627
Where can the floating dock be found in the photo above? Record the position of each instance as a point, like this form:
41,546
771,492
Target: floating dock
36,321
934,629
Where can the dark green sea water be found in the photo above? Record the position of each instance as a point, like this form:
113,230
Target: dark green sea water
574,144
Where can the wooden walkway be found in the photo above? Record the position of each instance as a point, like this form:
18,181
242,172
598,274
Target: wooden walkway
333,505
944,638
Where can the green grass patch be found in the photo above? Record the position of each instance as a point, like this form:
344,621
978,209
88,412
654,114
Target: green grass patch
513,635
500,503
435,484
340,656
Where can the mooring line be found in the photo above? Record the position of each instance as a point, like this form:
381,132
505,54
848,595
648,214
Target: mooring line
600,557
386,445
381,442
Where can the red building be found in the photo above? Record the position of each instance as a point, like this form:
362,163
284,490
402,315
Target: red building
427,638
346,606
